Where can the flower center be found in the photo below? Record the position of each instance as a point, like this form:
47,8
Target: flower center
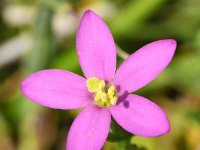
104,95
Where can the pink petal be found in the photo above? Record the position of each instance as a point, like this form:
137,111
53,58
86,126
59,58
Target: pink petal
96,47
89,130
144,65
57,89
140,116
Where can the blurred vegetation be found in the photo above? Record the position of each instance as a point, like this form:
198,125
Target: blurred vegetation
40,34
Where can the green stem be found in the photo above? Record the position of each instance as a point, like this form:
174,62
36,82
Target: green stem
123,144
38,58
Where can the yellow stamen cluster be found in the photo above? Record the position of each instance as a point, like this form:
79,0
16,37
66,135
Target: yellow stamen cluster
103,96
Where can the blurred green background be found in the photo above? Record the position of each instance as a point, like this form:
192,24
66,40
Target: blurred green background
41,34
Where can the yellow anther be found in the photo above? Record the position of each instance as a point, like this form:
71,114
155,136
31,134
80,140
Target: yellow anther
103,96
97,96
94,84
111,91
113,101
99,103
101,84
111,88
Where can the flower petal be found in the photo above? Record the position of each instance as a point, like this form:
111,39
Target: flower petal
140,116
96,47
144,65
57,89
90,129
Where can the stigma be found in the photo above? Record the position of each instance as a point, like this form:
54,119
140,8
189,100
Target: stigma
104,94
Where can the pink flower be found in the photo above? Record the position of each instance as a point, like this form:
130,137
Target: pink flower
104,92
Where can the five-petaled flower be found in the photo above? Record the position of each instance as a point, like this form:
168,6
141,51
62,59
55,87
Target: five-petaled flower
104,92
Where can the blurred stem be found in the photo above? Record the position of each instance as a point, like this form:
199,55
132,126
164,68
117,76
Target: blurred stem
117,133
38,58
43,45
121,53
123,144
5,133
126,145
